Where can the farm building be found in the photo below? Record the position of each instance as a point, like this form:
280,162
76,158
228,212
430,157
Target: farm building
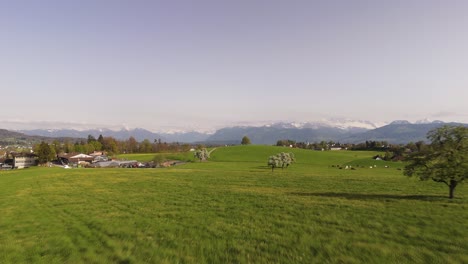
75,158
19,161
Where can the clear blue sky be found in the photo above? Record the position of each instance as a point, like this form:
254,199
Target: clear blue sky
209,63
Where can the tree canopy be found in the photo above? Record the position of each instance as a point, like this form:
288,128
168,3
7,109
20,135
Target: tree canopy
444,160
44,152
281,160
246,140
202,154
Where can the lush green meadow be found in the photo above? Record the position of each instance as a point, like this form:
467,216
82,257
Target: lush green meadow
145,157
232,209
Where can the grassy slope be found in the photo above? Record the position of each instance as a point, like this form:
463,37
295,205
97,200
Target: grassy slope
232,209
145,157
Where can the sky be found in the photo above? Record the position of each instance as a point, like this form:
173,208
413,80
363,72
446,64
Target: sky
184,64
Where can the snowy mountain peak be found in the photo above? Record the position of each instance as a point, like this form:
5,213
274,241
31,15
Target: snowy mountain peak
424,121
400,122
344,124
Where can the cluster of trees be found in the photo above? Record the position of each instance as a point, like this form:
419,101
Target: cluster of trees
281,160
393,152
90,145
322,145
113,146
371,145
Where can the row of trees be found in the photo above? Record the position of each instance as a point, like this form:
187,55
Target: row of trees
367,145
322,145
114,146
392,151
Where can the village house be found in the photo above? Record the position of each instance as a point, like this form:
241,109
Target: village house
75,158
335,148
19,161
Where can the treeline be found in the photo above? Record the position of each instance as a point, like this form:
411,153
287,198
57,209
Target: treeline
114,146
392,151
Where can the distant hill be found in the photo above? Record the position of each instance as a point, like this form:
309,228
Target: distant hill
398,132
4,134
271,134
139,134
186,137
16,138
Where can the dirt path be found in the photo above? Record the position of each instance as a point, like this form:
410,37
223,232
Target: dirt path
209,153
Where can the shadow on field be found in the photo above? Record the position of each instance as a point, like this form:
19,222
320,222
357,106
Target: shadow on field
362,196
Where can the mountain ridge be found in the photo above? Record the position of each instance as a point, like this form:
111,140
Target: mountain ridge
349,131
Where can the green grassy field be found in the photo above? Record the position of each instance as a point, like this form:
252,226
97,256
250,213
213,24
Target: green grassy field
185,156
232,209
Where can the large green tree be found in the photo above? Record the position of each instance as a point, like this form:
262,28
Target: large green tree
132,145
146,146
45,153
110,145
444,160
245,140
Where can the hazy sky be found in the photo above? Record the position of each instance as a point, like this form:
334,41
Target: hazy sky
210,63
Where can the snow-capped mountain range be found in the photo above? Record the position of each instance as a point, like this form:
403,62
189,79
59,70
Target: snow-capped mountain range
343,130
334,123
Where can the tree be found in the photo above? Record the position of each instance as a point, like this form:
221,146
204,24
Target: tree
146,146
91,139
281,160
158,160
45,153
202,154
285,143
274,162
132,145
444,160
109,144
96,145
58,148
101,139
287,159
245,141
79,148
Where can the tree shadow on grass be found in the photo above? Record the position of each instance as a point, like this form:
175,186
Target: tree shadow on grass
261,167
265,167
365,196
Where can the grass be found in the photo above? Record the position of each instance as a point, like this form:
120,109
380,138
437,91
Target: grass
232,209
145,157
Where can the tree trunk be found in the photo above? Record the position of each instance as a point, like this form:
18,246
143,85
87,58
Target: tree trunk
452,186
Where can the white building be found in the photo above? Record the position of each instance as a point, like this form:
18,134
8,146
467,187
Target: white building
22,160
